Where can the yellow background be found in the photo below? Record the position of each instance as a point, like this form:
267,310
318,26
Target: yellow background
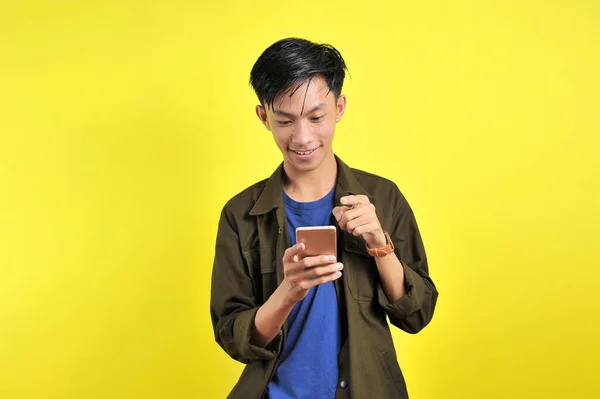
126,126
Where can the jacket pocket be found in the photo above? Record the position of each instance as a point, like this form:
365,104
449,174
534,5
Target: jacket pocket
262,271
360,269
390,363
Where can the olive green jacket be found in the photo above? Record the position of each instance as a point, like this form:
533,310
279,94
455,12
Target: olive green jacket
248,267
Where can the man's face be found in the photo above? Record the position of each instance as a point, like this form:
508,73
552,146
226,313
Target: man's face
303,124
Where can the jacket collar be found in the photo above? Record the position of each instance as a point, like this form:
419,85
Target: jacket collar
272,195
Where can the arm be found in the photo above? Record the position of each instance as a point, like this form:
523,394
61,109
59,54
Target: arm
300,275
406,293
391,273
244,330
414,310
270,317
232,304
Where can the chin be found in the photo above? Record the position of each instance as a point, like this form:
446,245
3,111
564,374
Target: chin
308,166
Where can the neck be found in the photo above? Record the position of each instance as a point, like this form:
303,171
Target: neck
311,185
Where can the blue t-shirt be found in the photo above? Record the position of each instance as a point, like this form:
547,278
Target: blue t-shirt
309,363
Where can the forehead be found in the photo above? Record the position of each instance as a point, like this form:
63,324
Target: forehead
301,98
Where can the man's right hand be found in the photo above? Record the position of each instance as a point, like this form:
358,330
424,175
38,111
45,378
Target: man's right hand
301,274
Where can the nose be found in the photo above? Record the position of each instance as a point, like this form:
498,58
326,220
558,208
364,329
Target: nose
302,134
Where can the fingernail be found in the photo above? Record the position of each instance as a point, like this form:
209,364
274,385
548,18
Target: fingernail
331,258
340,266
338,274
343,200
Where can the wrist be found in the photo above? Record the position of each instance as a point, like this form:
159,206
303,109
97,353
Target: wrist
379,240
287,301
379,251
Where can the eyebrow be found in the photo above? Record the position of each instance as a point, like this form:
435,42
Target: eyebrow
313,109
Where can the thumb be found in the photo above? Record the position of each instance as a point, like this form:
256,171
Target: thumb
292,252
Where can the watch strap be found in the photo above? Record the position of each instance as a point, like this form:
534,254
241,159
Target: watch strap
382,251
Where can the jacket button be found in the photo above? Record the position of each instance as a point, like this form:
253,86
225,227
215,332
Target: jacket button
343,384
354,244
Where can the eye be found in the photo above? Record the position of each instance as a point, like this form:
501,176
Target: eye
317,118
284,123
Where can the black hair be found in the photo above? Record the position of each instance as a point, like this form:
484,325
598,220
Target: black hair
287,64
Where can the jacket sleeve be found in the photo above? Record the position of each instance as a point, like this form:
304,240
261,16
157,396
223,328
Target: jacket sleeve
413,311
232,304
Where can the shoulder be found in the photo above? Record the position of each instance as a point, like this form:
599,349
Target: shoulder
382,189
241,203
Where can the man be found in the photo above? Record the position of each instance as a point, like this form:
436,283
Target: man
315,327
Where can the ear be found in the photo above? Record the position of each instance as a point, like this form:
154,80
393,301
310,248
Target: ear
340,107
261,112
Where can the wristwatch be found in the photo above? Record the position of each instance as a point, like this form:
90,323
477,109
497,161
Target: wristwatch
382,251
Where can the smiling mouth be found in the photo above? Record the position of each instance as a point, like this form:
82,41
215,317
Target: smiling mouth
307,152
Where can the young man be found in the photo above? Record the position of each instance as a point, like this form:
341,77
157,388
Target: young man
315,327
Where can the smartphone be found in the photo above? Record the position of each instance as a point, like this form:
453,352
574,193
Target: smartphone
317,240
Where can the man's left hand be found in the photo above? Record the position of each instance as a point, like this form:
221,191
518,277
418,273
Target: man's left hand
357,216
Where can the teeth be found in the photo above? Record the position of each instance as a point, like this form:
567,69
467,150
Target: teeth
304,152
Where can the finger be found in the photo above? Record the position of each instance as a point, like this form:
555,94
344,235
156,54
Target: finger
355,200
358,221
366,229
290,254
314,261
366,210
339,211
297,268
349,215
322,279
321,270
